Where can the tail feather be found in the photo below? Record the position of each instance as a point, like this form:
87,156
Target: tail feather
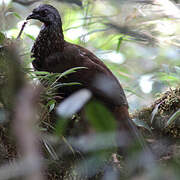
126,128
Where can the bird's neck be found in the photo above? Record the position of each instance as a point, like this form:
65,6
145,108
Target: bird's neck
49,41
53,35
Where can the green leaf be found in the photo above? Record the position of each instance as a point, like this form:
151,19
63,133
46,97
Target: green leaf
61,126
72,70
2,37
66,84
14,14
119,43
100,117
30,36
171,77
41,72
133,92
173,118
51,105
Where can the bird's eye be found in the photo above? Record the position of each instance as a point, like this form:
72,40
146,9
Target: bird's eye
43,13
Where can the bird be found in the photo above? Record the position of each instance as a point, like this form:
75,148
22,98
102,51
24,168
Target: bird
52,53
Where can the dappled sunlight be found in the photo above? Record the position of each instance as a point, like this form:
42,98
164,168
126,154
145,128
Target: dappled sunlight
12,33
111,56
146,83
32,30
76,33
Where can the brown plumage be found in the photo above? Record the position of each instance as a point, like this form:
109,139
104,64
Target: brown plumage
53,54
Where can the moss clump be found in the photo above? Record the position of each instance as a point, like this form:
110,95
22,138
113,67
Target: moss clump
158,114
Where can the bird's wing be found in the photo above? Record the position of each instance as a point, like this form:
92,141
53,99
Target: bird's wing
97,77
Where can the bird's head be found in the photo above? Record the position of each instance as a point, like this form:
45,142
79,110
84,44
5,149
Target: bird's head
46,14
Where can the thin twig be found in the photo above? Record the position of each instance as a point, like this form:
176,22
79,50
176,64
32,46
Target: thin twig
22,28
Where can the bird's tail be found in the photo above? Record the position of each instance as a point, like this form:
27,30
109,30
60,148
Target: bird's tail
128,134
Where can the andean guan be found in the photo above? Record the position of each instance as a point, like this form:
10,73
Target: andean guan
53,54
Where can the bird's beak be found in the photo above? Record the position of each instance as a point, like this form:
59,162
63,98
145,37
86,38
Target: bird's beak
33,16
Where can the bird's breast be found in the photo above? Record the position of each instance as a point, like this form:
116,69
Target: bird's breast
46,44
